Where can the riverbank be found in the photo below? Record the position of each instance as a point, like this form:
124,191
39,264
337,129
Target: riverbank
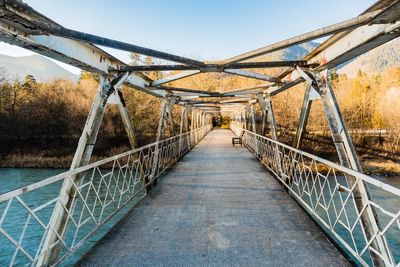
371,167
46,160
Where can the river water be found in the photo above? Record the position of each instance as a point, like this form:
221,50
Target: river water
15,178
16,218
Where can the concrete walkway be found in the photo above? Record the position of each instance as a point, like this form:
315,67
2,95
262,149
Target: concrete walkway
217,207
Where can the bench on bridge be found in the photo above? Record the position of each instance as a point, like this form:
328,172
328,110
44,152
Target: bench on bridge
237,140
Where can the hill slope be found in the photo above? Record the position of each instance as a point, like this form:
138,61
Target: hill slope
375,61
40,67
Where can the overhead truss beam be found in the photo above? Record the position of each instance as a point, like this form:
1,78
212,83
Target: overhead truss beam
322,32
219,67
25,13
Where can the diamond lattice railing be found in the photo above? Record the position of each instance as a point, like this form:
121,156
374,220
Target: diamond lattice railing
325,190
105,188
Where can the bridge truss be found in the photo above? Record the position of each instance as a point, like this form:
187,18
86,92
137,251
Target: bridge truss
23,26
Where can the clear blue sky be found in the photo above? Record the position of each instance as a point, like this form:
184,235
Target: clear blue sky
202,29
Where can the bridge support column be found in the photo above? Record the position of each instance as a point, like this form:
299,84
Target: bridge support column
170,107
244,111
200,124
193,125
59,220
125,119
263,108
165,117
271,119
240,120
160,128
268,115
348,158
183,126
253,119
309,95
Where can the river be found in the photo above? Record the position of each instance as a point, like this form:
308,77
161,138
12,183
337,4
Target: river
15,178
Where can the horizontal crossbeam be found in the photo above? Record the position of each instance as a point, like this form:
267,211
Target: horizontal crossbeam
218,67
322,32
178,89
46,26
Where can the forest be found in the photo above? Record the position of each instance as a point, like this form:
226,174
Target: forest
40,122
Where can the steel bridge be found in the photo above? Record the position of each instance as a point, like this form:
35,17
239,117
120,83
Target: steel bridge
217,205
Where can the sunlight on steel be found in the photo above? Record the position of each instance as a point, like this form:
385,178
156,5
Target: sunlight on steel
326,190
325,31
107,186
322,188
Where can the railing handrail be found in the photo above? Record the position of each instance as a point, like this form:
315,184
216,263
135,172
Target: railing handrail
27,188
318,191
362,176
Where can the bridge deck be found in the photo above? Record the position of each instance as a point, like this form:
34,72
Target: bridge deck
216,207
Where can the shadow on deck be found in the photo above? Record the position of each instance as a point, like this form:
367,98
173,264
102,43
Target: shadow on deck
217,207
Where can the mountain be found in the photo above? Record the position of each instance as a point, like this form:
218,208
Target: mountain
296,52
375,61
40,67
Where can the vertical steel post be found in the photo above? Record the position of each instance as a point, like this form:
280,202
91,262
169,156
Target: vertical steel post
187,129
170,106
239,114
160,136
125,120
244,119
58,224
263,107
183,115
183,119
304,114
193,126
348,158
253,119
183,126
160,129
271,118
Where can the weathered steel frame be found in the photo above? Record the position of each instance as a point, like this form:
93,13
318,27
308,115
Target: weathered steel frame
59,220
21,25
347,156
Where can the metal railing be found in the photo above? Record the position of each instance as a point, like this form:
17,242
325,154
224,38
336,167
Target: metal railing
322,188
105,187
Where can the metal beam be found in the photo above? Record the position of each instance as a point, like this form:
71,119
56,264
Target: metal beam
80,55
253,119
268,64
124,111
324,31
51,245
279,89
247,90
94,39
263,107
170,107
304,114
187,90
138,83
211,67
23,12
355,43
348,158
175,77
271,119
236,100
253,75
77,54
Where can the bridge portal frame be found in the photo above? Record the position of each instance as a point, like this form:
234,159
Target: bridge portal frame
23,26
